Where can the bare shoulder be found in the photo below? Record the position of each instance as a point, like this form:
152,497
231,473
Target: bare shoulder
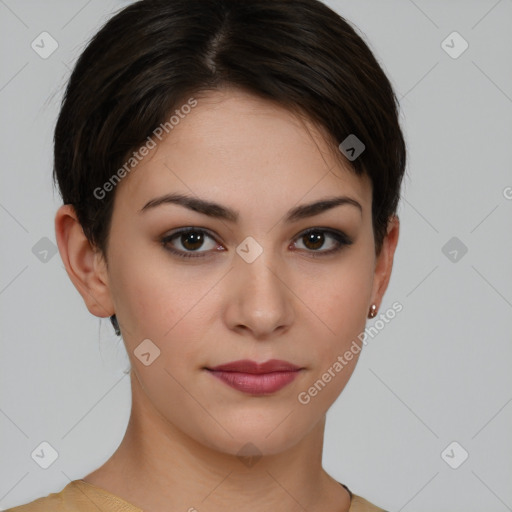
359,504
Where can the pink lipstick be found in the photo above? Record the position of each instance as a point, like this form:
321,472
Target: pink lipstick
256,378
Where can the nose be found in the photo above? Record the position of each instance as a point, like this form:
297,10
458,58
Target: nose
260,301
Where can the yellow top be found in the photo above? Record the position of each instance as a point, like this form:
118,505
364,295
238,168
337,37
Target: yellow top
80,496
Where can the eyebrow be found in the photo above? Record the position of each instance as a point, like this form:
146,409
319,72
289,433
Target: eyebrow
219,211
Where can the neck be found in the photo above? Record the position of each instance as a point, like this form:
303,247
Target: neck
158,467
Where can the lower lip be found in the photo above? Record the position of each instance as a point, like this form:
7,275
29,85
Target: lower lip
256,384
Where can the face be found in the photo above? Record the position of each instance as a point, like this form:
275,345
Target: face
266,285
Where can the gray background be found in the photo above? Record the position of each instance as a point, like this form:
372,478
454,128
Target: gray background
437,373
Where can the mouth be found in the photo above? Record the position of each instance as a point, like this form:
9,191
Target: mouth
256,378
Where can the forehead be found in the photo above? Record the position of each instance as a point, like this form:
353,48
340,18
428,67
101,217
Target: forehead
234,145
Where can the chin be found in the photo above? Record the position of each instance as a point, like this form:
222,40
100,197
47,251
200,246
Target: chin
252,447
269,437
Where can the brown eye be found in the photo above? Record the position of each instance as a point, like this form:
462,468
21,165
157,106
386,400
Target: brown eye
316,238
313,240
190,241
187,242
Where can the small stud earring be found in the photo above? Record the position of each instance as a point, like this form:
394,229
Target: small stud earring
115,324
373,311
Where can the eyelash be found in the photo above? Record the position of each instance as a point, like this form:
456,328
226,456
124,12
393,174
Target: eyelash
341,238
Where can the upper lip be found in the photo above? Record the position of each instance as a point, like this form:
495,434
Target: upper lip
248,366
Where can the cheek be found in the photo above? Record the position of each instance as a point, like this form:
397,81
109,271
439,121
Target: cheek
339,297
162,301
339,300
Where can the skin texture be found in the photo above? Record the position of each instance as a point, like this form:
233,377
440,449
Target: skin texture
187,427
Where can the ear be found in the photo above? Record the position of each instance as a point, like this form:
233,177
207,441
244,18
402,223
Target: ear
384,262
84,263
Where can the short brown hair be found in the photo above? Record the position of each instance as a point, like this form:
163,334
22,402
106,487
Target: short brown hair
153,54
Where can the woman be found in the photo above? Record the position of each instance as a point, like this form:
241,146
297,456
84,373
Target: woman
230,172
